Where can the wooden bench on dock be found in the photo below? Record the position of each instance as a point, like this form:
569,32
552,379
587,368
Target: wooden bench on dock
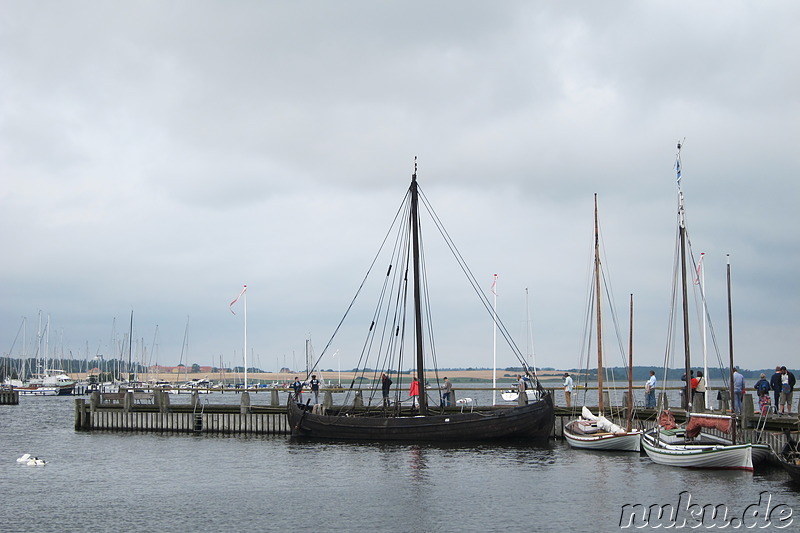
143,397
112,397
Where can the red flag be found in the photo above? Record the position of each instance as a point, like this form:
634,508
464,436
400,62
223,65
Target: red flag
237,299
699,269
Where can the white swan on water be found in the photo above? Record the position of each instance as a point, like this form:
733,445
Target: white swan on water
29,460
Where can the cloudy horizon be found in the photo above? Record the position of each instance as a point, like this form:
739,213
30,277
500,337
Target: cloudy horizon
156,157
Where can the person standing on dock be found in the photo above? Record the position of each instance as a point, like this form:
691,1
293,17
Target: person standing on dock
699,392
315,388
775,385
447,388
414,392
568,388
788,382
650,391
762,390
298,390
738,390
386,385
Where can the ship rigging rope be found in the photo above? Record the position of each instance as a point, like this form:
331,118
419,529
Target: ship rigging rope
396,283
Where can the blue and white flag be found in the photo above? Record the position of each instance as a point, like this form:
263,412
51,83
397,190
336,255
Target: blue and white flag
678,168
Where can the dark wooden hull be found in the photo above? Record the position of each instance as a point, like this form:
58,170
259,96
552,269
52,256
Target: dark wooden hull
533,421
791,468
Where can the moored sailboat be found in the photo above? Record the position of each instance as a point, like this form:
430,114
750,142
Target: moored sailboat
597,432
693,446
390,419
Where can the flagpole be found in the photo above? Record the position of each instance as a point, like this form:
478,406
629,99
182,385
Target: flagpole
705,348
244,293
494,343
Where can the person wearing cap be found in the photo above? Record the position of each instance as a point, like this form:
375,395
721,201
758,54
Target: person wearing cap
762,390
568,388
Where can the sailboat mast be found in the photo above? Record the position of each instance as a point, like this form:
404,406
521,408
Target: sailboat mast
600,405
244,350
423,400
682,231
730,349
494,342
687,360
630,371
701,281
130,349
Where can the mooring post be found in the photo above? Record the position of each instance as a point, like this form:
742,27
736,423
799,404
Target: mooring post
327,400
274,401
244,404
165,401
94,400
724,398
747,409
358,401
127,403
79,410
195,399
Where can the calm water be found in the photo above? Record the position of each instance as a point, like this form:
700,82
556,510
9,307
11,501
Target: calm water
149,482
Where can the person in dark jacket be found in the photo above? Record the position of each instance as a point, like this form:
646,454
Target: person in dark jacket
762,390
386,385
775,385
315,387
297,386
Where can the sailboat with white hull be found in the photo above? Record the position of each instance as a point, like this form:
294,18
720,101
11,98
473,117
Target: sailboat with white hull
395,417
707,440
592,432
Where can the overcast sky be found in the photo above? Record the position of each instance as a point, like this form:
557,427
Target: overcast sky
157,156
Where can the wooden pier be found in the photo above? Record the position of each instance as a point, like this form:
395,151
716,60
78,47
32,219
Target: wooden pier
9,397
152,411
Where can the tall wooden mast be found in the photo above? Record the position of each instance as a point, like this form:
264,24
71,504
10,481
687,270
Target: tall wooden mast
600,402
423,399
730,350
630,371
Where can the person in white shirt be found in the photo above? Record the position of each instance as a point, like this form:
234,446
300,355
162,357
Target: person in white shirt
568,388
650,391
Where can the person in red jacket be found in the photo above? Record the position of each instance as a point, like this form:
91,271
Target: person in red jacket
414,392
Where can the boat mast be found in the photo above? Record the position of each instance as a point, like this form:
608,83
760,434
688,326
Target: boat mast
630,371
494,342
701,281
423,400
130,349
600,405
730,349
682,229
